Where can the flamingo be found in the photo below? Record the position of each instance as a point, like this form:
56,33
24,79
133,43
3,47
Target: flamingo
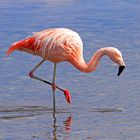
62,44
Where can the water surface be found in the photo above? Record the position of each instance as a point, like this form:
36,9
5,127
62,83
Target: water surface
104,106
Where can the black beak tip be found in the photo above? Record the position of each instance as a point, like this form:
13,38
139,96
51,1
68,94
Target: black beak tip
121,68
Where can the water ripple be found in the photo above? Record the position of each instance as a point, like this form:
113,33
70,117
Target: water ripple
26,111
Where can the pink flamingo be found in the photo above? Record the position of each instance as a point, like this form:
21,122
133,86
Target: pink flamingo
60,44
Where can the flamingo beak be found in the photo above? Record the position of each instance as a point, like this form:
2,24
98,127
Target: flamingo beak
121,68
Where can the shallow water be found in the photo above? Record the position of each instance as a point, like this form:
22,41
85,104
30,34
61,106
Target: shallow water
104,106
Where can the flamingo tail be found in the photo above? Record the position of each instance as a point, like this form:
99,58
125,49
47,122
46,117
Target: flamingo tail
27,43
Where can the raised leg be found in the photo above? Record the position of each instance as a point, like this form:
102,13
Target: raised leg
31,74
54,86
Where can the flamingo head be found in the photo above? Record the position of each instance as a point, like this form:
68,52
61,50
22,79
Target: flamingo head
116,56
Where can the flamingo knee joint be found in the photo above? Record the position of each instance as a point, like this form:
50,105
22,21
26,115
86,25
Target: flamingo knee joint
31,74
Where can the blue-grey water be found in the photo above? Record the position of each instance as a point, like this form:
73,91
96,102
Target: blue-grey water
104,106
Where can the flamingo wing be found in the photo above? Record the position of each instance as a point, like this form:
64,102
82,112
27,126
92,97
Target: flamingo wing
25,44
39,41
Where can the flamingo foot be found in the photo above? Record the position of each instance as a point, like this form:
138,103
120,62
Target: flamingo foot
67,95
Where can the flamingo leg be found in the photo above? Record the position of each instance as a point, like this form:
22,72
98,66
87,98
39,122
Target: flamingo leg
31,74
54,86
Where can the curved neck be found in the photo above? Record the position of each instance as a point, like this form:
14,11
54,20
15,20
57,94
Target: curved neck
81,65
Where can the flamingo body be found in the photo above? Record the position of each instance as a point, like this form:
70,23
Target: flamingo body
55,45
